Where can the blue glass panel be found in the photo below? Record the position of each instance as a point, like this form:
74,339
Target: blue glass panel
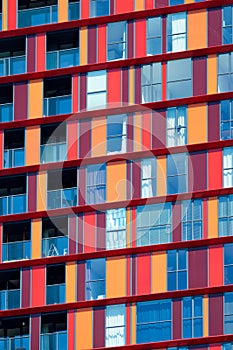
57,245
99,8
55,294
153,332
62,341
197,306
228,274
19,157
6,112
187,307
51,60
13,299
17,65
171,281
69,197
228,254
198,327
187,328
182,280
228,324
53,199
176,2
227,35
171,260
182,259
74,9
68,58
95,290
18,204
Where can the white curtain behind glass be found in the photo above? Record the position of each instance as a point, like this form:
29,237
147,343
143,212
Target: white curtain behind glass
178,32
181,127
115,325
148,177
116,228
228,167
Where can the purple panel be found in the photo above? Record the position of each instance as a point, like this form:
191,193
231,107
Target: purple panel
215,308
32,192
158,129
84,138
20,101
176,316
197,262
72,234
82,186
161,3
99,327
92,44
35,332
125,85
31,53
136,179
130,133
164,35
128,169
197,170
213,121
81,281
214,27
111,7
199,76
130,41
101,231
26,287
138,84
133,266
176,222
83,91
80,233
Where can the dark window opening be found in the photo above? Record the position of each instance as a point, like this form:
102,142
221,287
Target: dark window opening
58,179
16,231
14,138
55,227
54,322
6,94
60,86
14,326
10,280
12,47
62,40
13,185
53,133
27,4
55,274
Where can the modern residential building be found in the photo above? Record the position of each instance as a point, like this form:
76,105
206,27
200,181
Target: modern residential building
116,174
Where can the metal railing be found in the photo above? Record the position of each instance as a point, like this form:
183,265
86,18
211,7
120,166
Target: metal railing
62,198
12,65
55,246
9,299
53,341
14,204
62,58
13,157
37,16
6,112
53,152
14,343
57,105
16,250
74,11
55,294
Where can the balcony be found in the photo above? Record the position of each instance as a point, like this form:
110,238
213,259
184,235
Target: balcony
9,299
55,246
12,65
62,58
55,294
37,16
13,204
74,10
62,198
57,105
6,112
14,343
53,152
13,157
16,250
53,341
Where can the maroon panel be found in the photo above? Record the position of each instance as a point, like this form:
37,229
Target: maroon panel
35,332
199,76
32,192
99,327
197,262
161,3
197,171
158,129
82,186
136,179
20,101
176,316
111,7
25,287
130,41
72,234
133,266
130,133
83,91
101,231
80,233
214,27
128,176
81,281
215,308
176,222
84,138
138,84
92,44
31,53
125,85
213,121
164,35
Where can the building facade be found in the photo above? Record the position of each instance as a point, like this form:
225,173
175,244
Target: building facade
116,174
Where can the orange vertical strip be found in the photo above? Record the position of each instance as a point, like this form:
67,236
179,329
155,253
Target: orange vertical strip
32,145
159,272
137,134
38,289
215,266
75,93
102,39
71,282
72,140
146,130
84,327
161,176
36,238
116,181
205,316
12,14
89,232
128,281
35,95
164,81
62,10
122,6
98,129
133,323
205,218
114,87
115,277
212,74
40,52
197,29
83,45
213,217
197,123
4,14
85,9
1,147
140,38
41,190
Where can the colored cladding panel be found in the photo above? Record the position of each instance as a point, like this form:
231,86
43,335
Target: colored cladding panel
213,214
31,53
1,147
130,39
197,29
161,176
40,52
62,10
177,318
149,4
212,74
101,231
71,278
215,169
140,35
20,101
159,272
89,232
92,44
41,190
4,14
130,136
197,170
133,273
32,145
158,129
145,130
215,308
85,138
213,121
137,132
84,326
98,139
129,179
214,26
139,5
82,186
122,6
38,289
81,281
35,99
32,191
115,277
125,86
80,233
83,45
197,119
71,327
205,217
102,38
83,91
98,327
131,85
25,295
197,262
72,140
215,266
128,227
176,222
116,181
164,79
199,76
133,323
72,234
136,179
114,87
35,332
164,35
143,274
36,238
138,84
12,14
128,324
85,9
161,3
75,91
205,316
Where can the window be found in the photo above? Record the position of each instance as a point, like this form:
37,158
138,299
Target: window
53,331
226,130
177,269
225,71
116,228
192,317
228,263
13,194
96,184
53,143
116,134
151,75
154,35
99,8
148,174
228,313
116,40
176,32
176,173
175,2
73,10
228,167
153,321
96,89
179,78
95,279
191,220
6,103
225,215
36,12
176,126
115,325
9,289
14,148
12,56
227,25
55,236
154,224
14,332
55,284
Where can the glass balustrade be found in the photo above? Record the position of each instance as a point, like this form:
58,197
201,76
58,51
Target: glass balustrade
55,294
16,250
0,21
53,152
74,11
6,112
54,246
9,299
53,341
57,105
37,16
12,65
13,157
13,204
14,343
62,58
62,198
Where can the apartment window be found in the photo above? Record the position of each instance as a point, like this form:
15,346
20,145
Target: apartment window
175,2
96,89
116,134
36,12
9,289
53,143
179,78
148,177
154,224
176,126
176,32
96,184
225,215
95,279
228,263
227,25
191,220
55,284
116,228
225,72
13,56
6,103
14,148
192,318
228,313
177,269
151,82
115,324
177,173
55,236
14,332
154,35
73,10
116,41
228,167
154,321
99,8
53,331
13,194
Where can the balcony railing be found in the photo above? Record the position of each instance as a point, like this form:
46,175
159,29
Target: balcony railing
13,204
14,343
74,10
57,105
6,112
62,58
13,157
62,198
0,21
54,246
12,65
16,250
53,152
55,294
37,16
9,299
53,341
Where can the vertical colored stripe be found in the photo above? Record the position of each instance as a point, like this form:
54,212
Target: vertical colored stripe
71,277
161,3
199,76
31,53
1,240
122,6
197,123
205,217
71,328
215,309
164,81
101,231
25,294
99,327
177,318
36,238
83,91
85,7
205,316
35,103
214,169
32,143
35,332
38,289
89,232
75,93
92,44
102,38
214,26
62,10
176,222
32,192
72,234
159,272
131,85
84,138
83,45
143,274
133,323
161,176
81,281
197,262
130,41
72,140
84,327
82,186
125,86
128,324
40,52
139,5
130,136
1,147
128,227
114,87
138,84
80,232
4,14
136,179
98,139
212,74
140,37
212,217
158,129
213,121
197,171
20,101
115,277
137,132
149,4
164,34
216,266
12,13
146,130
116,181
133,274
197,29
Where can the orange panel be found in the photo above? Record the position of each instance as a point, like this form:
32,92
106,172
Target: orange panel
213,217
36,238
71,282
114,87
98,139
140,38
131,85
212,74
133,323
159,272
116,181
62,10
83,45
38,289
102,39
137,132
84,324
139,5
214,169
32,145
197,123
72,142
4,14
197,29
41,49
161,175
205,316
115,277
122,6
215,266
89,232
35,99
